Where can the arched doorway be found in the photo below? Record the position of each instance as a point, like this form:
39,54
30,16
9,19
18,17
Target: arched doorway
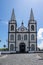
22,47
11,47
32,47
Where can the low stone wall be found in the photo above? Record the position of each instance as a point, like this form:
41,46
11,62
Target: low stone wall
7,52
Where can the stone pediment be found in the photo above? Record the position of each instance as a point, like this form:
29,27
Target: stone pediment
22,28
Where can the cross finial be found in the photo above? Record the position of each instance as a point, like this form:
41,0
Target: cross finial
22,22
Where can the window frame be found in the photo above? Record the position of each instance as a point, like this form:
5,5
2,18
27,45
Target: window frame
25,37
19,37
11,37
12,27
32,47
32,27
32,37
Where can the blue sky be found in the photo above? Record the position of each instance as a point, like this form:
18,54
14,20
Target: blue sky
22,12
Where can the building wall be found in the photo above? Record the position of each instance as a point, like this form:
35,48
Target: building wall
22,41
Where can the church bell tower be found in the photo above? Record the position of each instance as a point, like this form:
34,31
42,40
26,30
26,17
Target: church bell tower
32,27
12,32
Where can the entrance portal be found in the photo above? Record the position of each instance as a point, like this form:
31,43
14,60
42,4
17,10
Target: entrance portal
22,47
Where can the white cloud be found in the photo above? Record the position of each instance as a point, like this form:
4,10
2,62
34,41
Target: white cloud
5,22
40,45
39,36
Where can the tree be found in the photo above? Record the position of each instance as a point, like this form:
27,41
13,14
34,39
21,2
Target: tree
4,46
0,40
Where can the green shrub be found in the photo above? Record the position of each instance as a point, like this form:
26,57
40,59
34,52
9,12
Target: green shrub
3,49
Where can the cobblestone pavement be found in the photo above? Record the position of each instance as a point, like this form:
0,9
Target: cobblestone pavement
21,59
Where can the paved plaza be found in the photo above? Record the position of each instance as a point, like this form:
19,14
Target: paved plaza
21,59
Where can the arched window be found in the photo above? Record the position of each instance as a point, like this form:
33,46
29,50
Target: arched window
12,27
19,37
11,47
32,27
11,37
32,37
32,47
25,37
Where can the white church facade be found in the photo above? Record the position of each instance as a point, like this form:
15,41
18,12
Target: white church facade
22,39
